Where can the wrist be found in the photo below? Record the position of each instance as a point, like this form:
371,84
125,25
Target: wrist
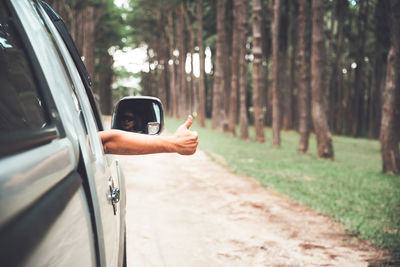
169,144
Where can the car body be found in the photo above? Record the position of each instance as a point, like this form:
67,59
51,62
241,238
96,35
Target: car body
62,199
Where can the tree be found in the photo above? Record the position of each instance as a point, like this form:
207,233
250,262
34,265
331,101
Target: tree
257,71
303,79
235,69
359,78
172,81
335,77
192,88
243,120
287,46
218,114
381,47
390,125
202,93
180,38
321,128
276,138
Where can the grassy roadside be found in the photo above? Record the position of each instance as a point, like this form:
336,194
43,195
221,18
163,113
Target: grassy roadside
351,189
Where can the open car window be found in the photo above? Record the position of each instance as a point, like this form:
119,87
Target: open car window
63,31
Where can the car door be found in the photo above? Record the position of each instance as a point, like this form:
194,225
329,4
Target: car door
103,171
44,212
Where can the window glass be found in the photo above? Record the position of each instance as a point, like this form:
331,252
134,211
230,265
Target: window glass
21,107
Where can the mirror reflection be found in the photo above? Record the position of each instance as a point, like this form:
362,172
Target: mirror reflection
138,114
129,122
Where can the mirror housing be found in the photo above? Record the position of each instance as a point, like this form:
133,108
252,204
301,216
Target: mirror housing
140,114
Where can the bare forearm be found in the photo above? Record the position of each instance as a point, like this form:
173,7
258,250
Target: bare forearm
128,143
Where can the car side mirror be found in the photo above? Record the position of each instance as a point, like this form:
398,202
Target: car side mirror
138,114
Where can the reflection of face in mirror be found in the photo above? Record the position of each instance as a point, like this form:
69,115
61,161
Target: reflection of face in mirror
128,121
138,115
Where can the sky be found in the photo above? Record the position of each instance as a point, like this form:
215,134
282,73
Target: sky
135,60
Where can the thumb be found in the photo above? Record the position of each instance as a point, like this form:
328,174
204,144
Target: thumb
188,122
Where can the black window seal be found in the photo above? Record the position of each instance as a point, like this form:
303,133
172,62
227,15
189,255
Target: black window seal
85,77
19,141
16,141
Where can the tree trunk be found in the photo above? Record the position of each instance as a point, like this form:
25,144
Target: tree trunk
324,139
331,71
304,79
390,125
243,120
382,46
88,47
235,69
359,82
284,47
276,139
257,71
183,107
172,80
218,110
191,91
226,75
292,66
202,93
162,55
105,82
337,108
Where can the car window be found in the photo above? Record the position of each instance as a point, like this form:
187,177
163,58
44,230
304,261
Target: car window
21,106
81,93
80,66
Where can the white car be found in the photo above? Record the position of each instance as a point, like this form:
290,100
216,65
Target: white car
62,200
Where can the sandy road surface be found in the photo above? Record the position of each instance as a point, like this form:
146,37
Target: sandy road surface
189,211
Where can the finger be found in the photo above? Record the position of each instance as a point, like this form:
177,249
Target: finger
188,122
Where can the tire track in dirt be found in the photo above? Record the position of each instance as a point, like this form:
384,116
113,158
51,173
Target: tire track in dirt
189,211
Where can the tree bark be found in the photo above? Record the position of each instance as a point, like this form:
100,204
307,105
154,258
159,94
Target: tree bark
304,79
257,71
162,56
226,73
105,82
321,128
235,69
276,138
218,109
172,80
89,44
191,91
390,125
183,107
202,92
284,47
243,120
290,119
382,46
359,82
331,71
337,109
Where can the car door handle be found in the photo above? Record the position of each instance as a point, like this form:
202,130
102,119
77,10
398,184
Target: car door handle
114,195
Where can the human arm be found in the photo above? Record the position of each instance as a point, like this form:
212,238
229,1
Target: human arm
120,142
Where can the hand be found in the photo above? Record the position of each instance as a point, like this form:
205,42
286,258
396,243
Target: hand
185,141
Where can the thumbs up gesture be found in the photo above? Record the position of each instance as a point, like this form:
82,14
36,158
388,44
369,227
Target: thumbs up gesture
185,140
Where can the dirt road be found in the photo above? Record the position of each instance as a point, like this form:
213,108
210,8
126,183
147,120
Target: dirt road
189,211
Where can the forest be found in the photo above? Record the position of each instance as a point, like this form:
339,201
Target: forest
328,67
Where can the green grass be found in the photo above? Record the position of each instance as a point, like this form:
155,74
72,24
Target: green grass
351,188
